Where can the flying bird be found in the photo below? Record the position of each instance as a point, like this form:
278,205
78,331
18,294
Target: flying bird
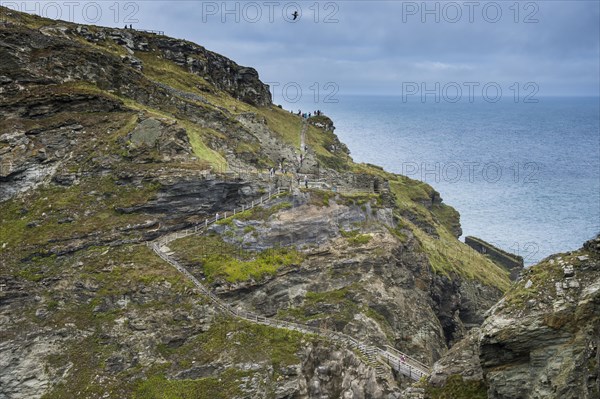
295,15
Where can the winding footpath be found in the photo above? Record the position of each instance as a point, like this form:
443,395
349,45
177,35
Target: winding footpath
303,136
374,356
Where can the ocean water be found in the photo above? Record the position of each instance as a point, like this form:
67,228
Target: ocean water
524,176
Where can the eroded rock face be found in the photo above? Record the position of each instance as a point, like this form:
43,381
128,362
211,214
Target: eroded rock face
340,374
547,346
56,95
542,339
462,359
182,197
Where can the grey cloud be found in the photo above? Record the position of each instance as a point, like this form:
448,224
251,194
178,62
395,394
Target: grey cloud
372,49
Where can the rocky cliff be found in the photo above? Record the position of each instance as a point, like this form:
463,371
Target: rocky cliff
110,138
541,340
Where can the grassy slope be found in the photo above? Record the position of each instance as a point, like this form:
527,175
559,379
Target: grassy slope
219,259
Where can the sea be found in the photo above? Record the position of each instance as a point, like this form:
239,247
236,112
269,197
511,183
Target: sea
525,176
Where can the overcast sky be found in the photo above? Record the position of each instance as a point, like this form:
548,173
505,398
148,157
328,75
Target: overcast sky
380,47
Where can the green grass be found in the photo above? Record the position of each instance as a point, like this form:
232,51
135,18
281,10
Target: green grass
319,197
448,256
277,346
29,20
317,305
457,388
354,237
219,259
288,126
201,150
359,240
167,72
335,296
117,272
349,233
284,124
411,196
266,263
446,216
226,385
337,306
400,232
197,134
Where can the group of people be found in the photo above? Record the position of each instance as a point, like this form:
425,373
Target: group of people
308,115
282,170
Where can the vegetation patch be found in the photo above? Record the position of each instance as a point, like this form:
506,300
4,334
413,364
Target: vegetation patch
197,139
543,277
447,216
240,341
52,214
319,197
169,73
98,277
288,127
224,386
359,240
457,388
399,232
232,263
447,255
356,239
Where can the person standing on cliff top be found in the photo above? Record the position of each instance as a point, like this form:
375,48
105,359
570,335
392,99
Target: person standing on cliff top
305,181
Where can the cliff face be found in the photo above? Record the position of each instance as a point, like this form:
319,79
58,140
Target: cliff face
541,340
110,138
